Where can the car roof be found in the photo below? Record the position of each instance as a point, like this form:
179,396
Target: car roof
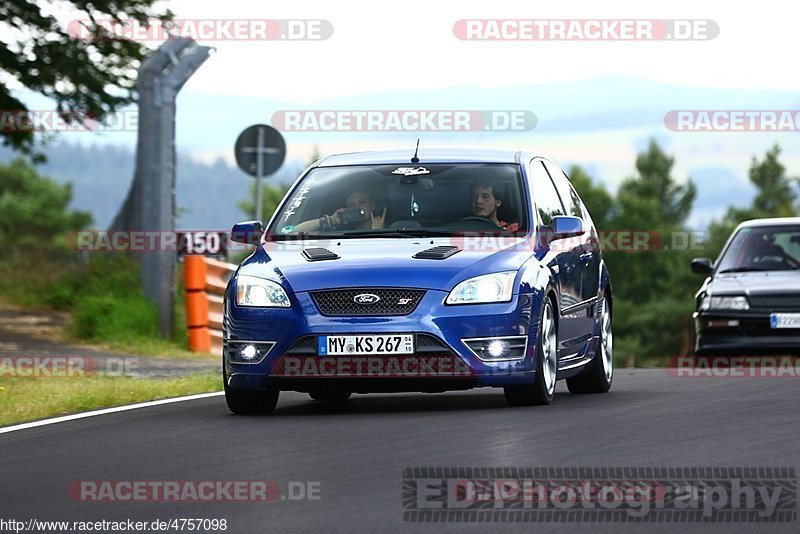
775,221
426,154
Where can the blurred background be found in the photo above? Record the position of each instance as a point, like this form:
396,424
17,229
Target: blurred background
600,109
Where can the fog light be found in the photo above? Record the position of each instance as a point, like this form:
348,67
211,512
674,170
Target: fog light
497,348
249,352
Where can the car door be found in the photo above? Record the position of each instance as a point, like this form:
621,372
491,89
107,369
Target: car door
564,258
586,252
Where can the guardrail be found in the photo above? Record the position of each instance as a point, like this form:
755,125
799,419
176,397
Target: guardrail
205,280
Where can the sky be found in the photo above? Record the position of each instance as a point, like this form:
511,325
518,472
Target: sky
597,102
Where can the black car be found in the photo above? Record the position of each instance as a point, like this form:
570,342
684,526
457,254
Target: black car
750,302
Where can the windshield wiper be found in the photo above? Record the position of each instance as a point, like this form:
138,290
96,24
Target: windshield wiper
398,232
744,270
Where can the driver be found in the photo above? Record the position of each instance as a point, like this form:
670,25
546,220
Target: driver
356,199
486,198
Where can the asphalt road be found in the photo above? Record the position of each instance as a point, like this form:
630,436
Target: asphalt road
357,452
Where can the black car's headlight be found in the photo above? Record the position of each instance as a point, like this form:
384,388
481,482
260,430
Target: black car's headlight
253,291
737,303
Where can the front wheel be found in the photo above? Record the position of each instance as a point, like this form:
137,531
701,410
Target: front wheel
543,388
597,379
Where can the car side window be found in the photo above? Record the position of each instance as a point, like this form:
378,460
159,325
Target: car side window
545,195
565,190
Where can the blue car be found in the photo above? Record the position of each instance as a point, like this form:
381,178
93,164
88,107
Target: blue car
429,270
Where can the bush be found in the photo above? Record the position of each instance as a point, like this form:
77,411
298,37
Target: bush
114,318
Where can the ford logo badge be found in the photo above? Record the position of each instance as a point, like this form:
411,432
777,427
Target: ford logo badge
366,298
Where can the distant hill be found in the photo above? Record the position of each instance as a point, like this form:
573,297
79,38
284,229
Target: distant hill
207,194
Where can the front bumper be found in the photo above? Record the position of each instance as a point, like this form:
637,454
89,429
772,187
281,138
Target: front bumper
442,360
746,332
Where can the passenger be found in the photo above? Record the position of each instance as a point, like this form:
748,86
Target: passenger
356,199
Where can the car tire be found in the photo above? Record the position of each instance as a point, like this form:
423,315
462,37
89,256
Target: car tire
598,378
542,390
335,395
251,402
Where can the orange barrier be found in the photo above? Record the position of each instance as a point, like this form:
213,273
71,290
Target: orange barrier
205,280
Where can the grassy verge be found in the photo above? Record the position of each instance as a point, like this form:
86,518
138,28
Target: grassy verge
27,399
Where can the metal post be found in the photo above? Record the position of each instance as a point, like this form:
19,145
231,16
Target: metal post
259,174
150,204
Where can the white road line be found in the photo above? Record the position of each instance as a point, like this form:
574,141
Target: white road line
104,411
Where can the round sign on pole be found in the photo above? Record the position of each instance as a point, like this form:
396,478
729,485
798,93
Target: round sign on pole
260,140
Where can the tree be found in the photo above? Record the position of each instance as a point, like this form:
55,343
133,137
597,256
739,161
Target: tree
34,212
595,196
271,197
654,182
654,287
775,197
86,77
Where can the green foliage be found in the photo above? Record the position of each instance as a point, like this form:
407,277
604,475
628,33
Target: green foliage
599,202
114,318
653,288
34,211
775,197
87,78
271,196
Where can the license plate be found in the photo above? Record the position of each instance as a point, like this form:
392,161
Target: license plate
369,344
784,320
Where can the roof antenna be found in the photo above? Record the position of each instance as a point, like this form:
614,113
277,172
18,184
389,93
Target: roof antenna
415,159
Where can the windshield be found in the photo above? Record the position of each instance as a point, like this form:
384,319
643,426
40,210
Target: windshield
404,200
769,248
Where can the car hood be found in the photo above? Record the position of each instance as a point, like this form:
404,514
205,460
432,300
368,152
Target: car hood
756,283
385,262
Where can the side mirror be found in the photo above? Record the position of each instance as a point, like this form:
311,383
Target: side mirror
702,266
566,226
247,232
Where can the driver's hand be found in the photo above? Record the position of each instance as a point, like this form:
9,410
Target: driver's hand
335,219
377,220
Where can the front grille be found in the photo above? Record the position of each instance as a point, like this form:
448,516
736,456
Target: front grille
783,301
390,301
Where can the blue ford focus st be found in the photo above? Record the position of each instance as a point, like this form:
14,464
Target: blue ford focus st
391,271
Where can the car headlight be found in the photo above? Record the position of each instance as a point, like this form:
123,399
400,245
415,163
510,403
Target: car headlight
724,303
252,291
496,287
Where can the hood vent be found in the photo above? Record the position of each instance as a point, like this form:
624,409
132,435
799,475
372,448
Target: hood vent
436,253
319,254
